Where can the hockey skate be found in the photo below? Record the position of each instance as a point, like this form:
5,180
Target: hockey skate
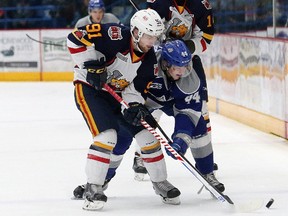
139,168
79,192
80,189
213,181
168,193
95,199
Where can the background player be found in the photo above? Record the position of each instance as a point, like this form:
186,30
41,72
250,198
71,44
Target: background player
97,14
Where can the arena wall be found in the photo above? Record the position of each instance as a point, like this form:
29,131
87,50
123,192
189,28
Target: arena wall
248,80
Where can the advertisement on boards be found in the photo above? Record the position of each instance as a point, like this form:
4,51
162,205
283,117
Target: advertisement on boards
55,55
18,53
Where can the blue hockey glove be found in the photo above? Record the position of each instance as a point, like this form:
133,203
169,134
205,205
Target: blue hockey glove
96,72
136,112
179,146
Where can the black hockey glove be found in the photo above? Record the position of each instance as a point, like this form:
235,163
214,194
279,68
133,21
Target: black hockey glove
96,72
136,112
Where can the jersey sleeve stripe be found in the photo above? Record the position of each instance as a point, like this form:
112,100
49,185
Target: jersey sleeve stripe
204,45
77,50
82,40
207,36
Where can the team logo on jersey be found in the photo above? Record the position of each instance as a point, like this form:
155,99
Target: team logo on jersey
80,34
207,4
114,33
178,31
155,86
119,84
115,80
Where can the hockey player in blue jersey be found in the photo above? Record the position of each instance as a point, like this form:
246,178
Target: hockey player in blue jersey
123,58
178,90
191,21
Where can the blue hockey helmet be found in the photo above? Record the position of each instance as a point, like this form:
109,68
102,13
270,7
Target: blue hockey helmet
176,53
96,4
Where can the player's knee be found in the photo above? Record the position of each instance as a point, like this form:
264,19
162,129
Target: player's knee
201,146
147,142
106,140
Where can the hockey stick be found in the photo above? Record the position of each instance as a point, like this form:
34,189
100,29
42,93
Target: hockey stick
42,42
134,5
217,194
169,141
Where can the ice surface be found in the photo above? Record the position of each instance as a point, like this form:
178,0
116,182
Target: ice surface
43,147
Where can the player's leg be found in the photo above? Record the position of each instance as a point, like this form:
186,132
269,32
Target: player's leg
124,140
138,166
99,116
202,151
154,162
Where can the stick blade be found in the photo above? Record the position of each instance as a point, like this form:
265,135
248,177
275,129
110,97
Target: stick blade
227,198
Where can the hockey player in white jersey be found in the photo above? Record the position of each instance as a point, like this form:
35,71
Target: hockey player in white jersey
97,14
123,58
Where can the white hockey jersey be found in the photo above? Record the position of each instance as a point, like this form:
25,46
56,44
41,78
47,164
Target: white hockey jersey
129,72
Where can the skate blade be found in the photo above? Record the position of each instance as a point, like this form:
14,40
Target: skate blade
171,201
95,205
139,176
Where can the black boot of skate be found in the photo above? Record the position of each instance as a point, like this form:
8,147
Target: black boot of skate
139,168
168,193
80,189
95,199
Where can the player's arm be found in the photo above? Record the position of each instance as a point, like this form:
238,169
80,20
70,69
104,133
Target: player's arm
90,64
203,31
81,43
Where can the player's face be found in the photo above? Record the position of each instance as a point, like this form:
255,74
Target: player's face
176,72
97,15
147,42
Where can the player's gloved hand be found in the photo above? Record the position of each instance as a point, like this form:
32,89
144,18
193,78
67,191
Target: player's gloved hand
96,72
179,146
136,112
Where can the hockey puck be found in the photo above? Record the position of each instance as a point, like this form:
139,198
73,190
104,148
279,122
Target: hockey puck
271,201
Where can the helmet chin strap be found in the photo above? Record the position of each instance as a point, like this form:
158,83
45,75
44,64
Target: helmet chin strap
136,43
137,47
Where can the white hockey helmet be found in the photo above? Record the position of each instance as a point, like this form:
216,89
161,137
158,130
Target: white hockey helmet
148,22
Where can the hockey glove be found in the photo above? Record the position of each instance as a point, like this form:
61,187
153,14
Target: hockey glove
96,72
179,146
136,112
